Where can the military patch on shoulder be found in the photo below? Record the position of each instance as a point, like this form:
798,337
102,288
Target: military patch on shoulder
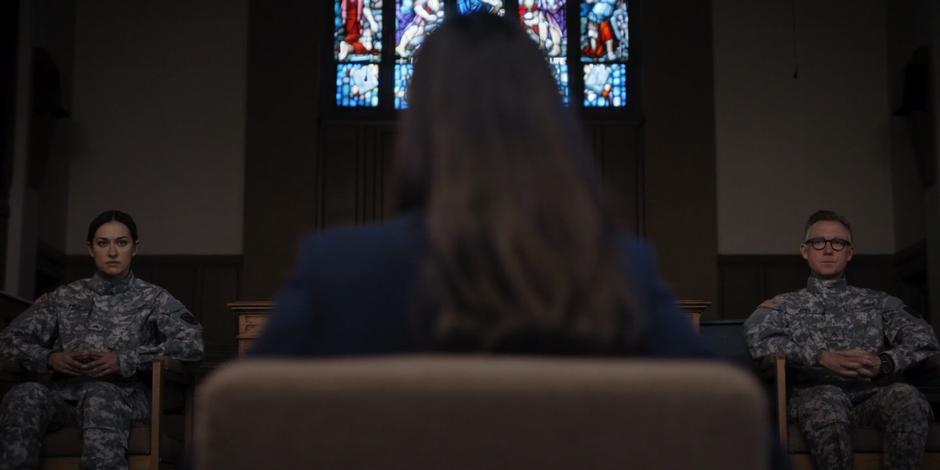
189,318
772,304
889,302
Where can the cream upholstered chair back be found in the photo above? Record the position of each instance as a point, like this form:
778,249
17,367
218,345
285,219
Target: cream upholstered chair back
480,412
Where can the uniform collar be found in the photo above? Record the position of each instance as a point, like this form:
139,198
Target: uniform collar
822,286
105,286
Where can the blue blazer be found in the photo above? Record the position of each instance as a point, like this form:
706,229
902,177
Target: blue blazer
351,293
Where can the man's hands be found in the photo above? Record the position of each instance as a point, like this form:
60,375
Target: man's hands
852,364
67,362
106,363
91,364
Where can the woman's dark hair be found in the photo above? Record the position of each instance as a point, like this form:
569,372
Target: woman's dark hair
112,216
520,244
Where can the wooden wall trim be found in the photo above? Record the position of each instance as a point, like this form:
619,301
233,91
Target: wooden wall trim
746,280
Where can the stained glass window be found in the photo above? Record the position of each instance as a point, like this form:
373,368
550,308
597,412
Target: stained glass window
605,85
559,68
357,41
544,20
416,19
595,68
357,85
403,74
495,7
605,48
546,23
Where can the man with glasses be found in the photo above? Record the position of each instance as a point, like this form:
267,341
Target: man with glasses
846,347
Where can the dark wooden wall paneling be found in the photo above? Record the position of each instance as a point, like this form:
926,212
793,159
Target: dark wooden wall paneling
911,267
747,280
204,284
618,154
355,171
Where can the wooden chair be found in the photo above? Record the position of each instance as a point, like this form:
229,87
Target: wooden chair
866,441
158,443
481,413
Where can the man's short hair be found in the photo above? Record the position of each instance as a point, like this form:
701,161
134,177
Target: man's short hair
822,215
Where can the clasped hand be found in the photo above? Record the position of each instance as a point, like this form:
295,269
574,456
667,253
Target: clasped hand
90,364
852,364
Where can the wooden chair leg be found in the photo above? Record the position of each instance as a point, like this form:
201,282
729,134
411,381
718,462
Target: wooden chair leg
188,421
156,410
783,427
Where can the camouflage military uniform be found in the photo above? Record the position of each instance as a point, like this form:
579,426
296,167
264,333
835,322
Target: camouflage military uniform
829,315
133,318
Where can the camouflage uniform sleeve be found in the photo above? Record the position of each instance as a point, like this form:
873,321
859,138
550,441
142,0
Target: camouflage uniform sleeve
908,338
29,339
766,332
179,337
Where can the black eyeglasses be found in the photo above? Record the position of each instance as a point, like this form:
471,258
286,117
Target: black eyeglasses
819,243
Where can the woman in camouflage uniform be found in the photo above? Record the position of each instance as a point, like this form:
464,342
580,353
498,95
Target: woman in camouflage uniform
93,335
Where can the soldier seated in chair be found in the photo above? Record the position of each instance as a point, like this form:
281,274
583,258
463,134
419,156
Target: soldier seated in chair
847,346
93,335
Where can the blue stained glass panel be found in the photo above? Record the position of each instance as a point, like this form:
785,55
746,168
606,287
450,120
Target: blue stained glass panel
357,30
545,22
605,32
415,20
357,85
560,72
605,85
403,74
493,7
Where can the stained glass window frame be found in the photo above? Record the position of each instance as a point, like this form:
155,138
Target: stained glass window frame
386,109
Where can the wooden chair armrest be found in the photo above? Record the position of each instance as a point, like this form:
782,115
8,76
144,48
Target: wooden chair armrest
171,364
175,371
780,370
166,371
766,368
773,368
